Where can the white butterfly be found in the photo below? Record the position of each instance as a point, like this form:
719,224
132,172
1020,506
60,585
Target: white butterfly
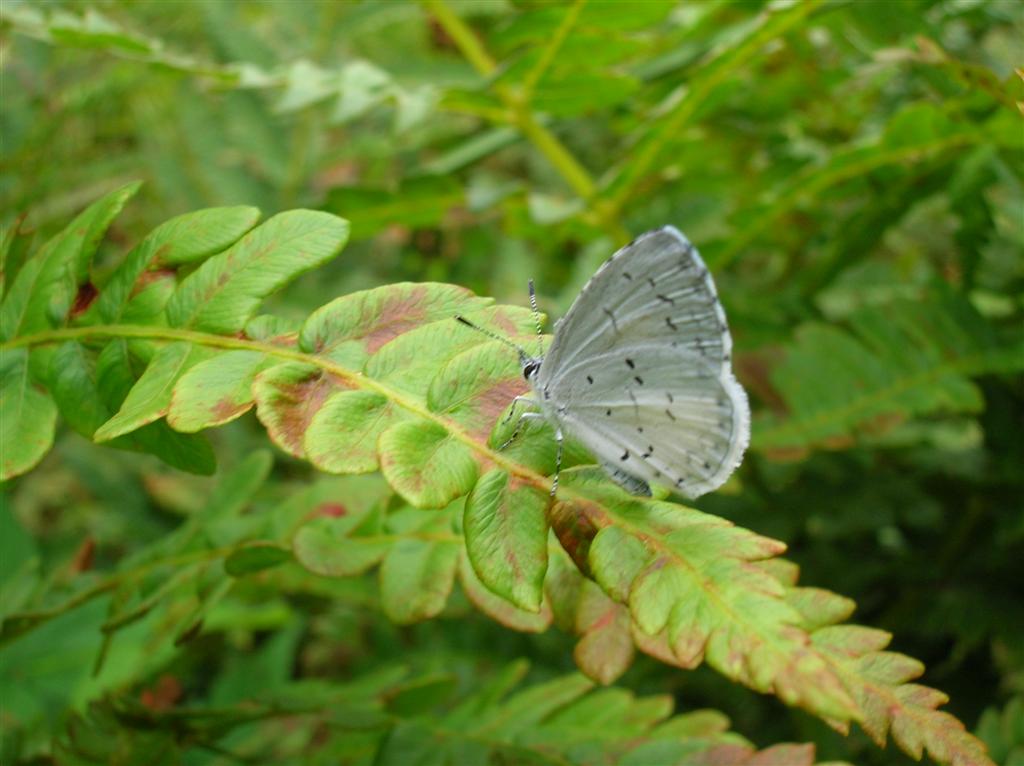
640,371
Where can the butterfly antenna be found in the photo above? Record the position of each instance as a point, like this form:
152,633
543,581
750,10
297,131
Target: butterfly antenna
536,319
492,335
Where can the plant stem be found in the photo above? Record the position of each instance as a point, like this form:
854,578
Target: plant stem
565,163
572,15
572,172
463,37
354,378
717,70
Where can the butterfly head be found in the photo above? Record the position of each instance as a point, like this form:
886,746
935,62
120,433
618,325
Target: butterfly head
530,365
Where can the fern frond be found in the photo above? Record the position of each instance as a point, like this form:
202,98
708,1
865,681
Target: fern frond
1003,731
398,718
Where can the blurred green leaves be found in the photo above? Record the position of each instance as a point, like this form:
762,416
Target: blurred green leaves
900,360
851,172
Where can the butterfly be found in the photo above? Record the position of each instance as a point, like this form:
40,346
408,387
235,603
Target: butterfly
640,372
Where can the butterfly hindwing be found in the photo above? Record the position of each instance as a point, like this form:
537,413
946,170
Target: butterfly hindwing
666,418
626,480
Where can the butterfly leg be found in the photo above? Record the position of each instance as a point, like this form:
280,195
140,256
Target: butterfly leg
512,410
519,427
558,461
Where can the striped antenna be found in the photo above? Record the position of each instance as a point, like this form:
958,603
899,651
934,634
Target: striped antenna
536,319
492,335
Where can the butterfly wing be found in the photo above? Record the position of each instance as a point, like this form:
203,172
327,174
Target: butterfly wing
667,418
655,288
640,369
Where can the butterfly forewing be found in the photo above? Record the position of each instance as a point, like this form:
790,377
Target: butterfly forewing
655,288
640,372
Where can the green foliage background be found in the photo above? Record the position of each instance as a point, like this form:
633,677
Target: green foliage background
852,174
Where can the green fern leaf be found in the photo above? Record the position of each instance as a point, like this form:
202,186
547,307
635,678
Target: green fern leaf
606,648
363,414
921,130
690,574
223,294
567,721
418,572
71,380
28,416
405,719
15,244
1003,732
475,387
74,380
226,290
115,376
507,537
44,290
186,239
426,464
342,546
296,403
150,397
498,608
215,391
878,681
255,557
287,397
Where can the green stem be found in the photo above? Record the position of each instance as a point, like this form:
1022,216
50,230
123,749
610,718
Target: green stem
808,184
567,166
551,50
463,37
353,378
716,71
